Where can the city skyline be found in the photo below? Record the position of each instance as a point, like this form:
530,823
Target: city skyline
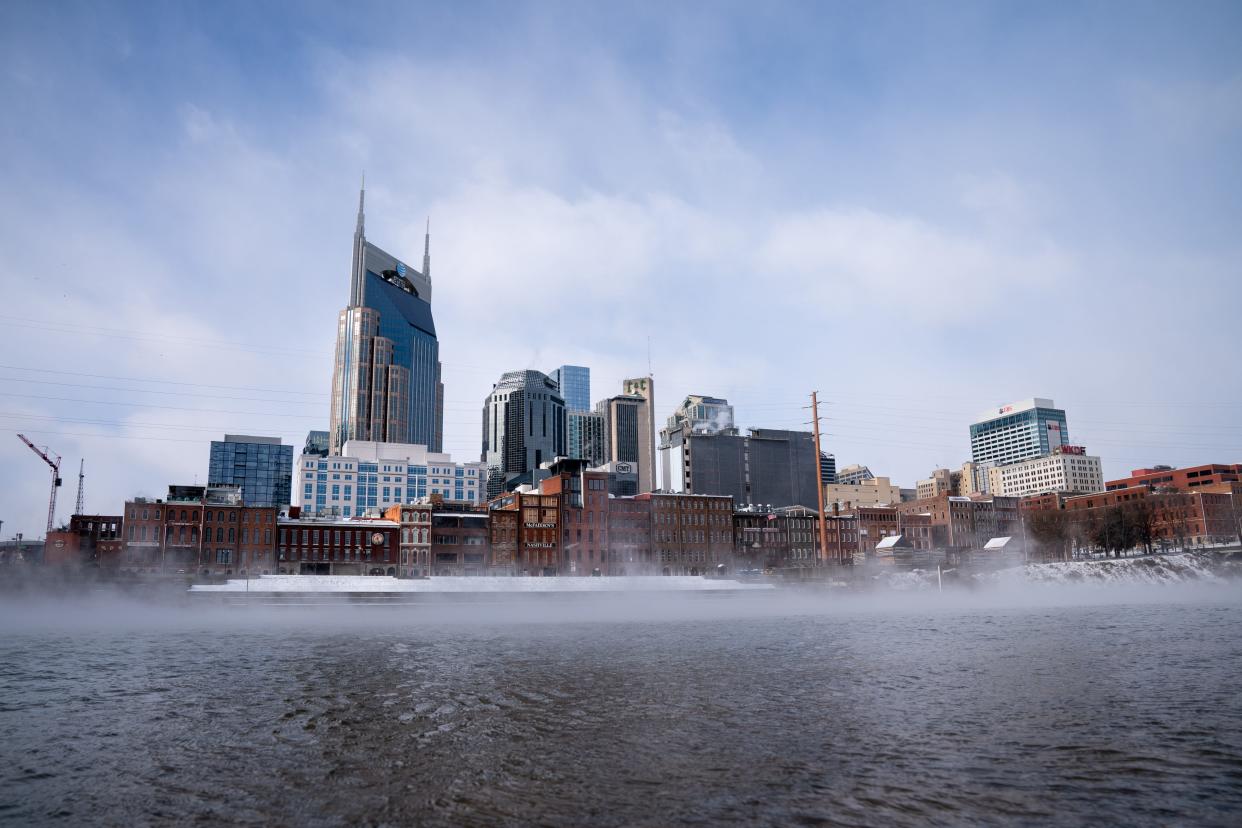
748,235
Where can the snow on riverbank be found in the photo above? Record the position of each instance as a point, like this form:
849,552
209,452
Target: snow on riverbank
364,583
1184,567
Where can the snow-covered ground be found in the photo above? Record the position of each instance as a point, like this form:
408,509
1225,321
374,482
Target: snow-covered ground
364,583
1185,567
1151,569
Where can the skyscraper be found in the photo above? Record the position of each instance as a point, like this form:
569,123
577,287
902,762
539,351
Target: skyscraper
645,387
386,384
629,424
523,427
1030,428
574,381
261,466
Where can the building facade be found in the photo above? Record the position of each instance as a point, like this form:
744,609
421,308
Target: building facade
868,491
386,384
370,477
964,523
697,414
414,520
1067,469
1018,431
260,466
764,468
337,546
690,534
1191,477
644,387
587,437
574,384
459,538
526,540
524,426
629,428
90,541
203,529
853,475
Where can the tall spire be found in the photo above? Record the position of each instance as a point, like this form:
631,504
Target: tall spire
427,252
357,272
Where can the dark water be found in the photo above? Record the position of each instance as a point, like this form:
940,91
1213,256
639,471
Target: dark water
714,711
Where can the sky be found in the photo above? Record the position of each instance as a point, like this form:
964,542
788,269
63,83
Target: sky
920,211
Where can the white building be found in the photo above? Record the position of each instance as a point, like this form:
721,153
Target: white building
369,475
1067,469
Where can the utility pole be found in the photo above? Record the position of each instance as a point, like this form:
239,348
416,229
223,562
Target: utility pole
819,481
55,466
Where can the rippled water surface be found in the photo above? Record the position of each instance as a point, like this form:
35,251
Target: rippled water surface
717,712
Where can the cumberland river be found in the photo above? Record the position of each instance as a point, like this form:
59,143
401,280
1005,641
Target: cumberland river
663,710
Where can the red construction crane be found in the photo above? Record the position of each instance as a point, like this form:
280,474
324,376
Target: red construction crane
55,465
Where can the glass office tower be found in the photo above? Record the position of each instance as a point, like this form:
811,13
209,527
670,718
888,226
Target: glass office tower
386,382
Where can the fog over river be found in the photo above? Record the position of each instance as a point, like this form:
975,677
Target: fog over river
1044,706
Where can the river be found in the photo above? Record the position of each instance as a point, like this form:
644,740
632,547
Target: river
782,709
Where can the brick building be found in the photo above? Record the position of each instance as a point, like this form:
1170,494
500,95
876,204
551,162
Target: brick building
535,548
629,537
584,507
690,534
199,529
1191,477
415,522
91,541
1178,518
459,538
337,546
962,523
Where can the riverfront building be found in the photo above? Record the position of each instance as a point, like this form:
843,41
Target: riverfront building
386,383
260,466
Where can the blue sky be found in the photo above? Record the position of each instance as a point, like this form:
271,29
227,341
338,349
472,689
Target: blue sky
920,210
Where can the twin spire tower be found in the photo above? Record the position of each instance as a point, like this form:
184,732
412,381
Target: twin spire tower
386,379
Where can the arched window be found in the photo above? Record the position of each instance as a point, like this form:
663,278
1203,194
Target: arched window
183,516
219,534
232,535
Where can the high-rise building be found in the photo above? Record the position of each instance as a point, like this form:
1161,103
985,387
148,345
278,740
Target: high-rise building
766,467
574,382
386,384
587,438
697,414
260,466
523,427
1021,430
369,476
644,387
628,427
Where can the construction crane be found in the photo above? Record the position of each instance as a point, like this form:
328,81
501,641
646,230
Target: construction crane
77,510
55,466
